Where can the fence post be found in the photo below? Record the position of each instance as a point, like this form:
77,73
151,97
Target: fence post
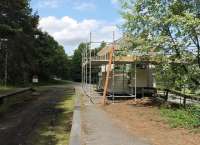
184,102
166,95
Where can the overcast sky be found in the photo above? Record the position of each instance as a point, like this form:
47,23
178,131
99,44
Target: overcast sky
70,21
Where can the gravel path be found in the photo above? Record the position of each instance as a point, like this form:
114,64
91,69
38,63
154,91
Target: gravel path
99,129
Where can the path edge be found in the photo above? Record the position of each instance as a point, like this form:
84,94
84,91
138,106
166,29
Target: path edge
75,135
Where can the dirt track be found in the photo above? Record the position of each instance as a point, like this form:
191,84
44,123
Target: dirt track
17,126
145,120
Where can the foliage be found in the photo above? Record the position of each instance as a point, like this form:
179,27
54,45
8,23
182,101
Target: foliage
53,82
6,89
187,118
77,61
170,28
76,68
30,51
50,58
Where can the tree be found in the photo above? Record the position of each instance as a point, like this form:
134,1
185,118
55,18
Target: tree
77,61
76,70
49,58
30,51
167,26
18,25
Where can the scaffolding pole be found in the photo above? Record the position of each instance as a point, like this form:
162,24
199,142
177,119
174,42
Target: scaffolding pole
113,74
135,81
90,67
87,66
82,70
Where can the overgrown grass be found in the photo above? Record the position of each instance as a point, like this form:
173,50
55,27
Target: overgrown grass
4,89
180,117
55,127
53,82
11,102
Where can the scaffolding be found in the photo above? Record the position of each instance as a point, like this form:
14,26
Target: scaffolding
110,60
88,61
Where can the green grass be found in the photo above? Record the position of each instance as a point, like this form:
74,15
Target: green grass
4,89
179,117
23,98
59,133
53,82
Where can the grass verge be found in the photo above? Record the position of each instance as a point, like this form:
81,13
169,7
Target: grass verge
55,126
180,117
53,82
4,89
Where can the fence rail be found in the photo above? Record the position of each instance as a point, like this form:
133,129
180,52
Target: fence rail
177,93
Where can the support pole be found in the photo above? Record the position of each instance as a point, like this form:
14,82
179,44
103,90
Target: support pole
82,80
86,69
83,68
135,81
123,77
113,78
90,65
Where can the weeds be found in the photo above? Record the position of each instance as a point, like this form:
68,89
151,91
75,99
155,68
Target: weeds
181,117
4,89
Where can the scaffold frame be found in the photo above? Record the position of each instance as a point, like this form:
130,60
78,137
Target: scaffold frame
87,70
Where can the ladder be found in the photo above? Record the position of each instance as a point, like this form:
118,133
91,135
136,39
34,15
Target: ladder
108,74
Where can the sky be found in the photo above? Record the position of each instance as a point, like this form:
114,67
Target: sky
71,21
